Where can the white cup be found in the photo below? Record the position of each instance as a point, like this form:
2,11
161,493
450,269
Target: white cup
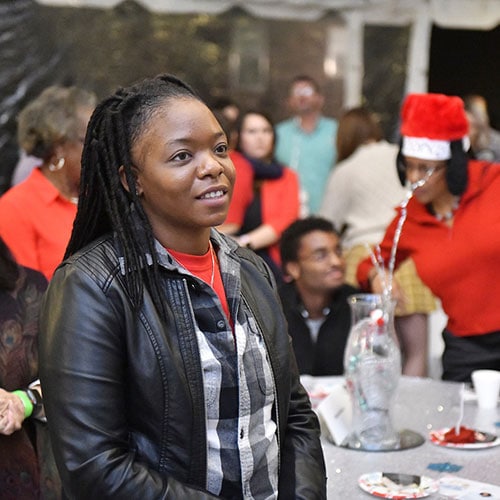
487,386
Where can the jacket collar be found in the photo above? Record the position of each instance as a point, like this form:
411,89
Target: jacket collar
225,244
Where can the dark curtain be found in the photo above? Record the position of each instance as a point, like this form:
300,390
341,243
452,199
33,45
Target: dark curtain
28,62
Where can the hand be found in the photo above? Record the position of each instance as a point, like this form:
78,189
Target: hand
378,283
11,412
243,241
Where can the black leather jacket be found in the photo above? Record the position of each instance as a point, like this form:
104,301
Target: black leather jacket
124,395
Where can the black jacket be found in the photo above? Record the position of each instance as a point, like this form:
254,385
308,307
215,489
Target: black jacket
130,424
326,356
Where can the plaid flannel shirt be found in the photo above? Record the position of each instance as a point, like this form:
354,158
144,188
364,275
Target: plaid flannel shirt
242,447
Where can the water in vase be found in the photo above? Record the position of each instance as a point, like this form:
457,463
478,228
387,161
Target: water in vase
372,359
372,363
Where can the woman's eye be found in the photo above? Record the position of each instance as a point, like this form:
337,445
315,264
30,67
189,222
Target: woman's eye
221,149
182,156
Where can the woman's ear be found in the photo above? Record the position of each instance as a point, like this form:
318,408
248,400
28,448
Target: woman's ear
123,179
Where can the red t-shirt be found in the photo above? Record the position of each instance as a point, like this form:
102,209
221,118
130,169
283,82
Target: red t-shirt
205,267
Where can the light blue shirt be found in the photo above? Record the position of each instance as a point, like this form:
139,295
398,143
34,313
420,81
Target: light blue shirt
311,155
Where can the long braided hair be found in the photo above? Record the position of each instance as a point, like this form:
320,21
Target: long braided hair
104,205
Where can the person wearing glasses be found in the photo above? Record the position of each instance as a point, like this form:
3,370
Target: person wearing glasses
452,230
315,295
360,197
306,141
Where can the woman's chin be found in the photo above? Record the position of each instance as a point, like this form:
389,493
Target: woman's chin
422,197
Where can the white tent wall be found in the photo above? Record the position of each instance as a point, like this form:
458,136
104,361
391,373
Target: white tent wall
420,14
102,43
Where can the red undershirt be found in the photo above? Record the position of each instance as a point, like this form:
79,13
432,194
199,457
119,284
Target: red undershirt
202,266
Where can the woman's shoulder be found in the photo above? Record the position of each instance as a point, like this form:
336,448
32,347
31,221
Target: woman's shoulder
289,175
99,260
479,169
483,175
287,185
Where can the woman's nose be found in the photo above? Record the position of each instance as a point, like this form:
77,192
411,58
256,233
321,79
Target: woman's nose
209,165
413,175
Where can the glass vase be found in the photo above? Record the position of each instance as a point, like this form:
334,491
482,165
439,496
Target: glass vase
372,368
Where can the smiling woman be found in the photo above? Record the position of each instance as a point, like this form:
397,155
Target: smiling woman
154,348
182,174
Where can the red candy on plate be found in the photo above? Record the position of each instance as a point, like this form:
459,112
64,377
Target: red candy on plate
465,435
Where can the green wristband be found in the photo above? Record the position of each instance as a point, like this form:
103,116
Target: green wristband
28,405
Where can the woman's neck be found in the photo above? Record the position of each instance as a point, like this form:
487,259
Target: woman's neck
187,242
444,207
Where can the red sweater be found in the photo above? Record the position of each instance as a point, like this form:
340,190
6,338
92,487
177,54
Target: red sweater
460,264
280,199
243,188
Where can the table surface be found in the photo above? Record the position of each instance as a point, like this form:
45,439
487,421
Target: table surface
421,405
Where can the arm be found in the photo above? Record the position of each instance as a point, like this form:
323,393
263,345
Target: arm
261,237
376,278
84,375
280,207
303,475
229,228
366,272
17,406
12,412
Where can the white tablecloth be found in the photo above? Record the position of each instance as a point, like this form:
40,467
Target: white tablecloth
420,405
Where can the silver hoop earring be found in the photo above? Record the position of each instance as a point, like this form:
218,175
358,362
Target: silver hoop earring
60,164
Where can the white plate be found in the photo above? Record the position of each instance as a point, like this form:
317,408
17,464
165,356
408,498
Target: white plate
437,437
377,484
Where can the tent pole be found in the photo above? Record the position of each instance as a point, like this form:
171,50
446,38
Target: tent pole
417,76
353,88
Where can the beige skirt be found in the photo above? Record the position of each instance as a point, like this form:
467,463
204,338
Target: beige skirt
419,298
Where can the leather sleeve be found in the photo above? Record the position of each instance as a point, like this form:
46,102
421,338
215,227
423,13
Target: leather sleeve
83,375
303,472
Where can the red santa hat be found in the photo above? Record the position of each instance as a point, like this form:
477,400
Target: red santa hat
429,122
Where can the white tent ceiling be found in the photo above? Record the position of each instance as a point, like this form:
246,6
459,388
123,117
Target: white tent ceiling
474,14
419,14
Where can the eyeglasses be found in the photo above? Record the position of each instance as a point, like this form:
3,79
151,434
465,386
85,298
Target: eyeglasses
423,171
323,254
303,92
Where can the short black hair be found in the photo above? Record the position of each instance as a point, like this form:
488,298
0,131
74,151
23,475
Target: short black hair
291,236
